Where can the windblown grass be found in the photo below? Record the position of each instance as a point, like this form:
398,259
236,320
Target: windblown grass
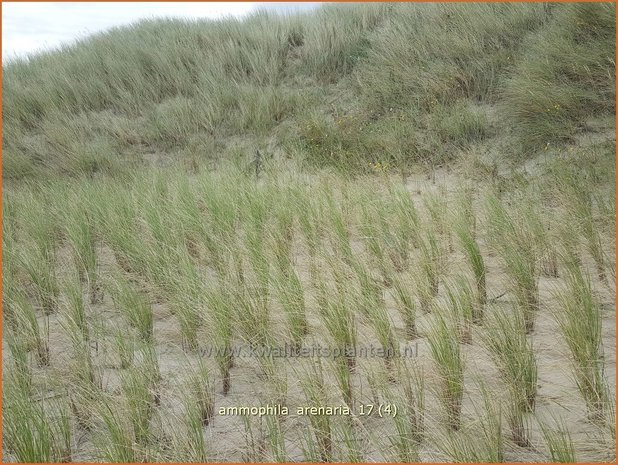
580,323
446,352
134,169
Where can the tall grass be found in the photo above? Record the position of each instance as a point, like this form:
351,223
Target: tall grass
34,432
446,352
200,384
253,316
29,327
40,260
337,102
482,444
579,319
292,298
432,261
505,339
514,242
462,308
371,293
349,438
220,303
559,443
79,227
20,372
276,438
465,233
414,396
75,313
140,403
512,351
409,221
406,306
283,233
315,393
134,306
76,325
428,65
383,327
579,203
115,442
546,110
188,300
340,233
124,345
340,321
193,442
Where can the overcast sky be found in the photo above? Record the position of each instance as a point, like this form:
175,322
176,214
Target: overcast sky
28,27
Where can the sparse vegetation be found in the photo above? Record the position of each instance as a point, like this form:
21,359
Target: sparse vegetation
425,242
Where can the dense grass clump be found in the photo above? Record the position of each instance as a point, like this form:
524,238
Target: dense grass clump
566,75
394,84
